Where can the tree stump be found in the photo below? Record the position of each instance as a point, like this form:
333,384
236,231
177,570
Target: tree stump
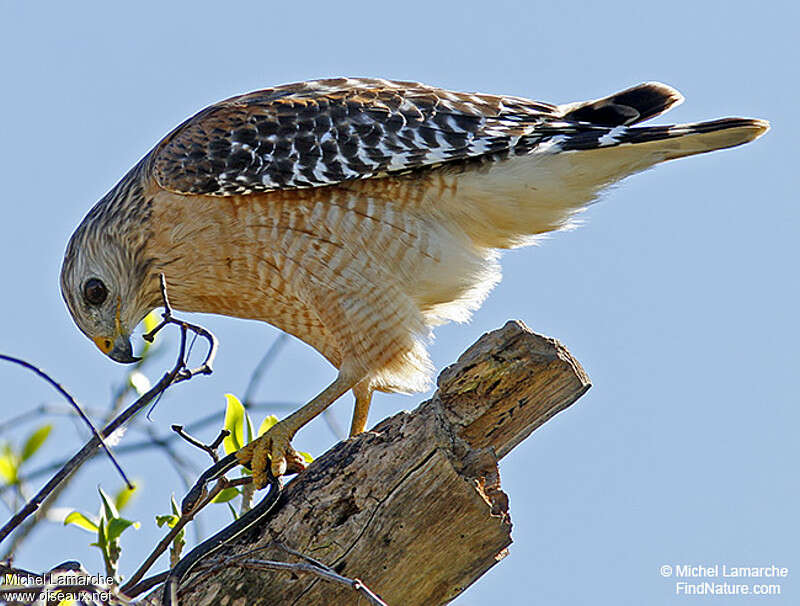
413,507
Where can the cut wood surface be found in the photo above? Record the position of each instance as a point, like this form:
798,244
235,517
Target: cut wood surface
412,507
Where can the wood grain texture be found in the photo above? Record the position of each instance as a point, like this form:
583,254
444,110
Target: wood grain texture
413,507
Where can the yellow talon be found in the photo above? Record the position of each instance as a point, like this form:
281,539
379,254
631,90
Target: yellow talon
273,449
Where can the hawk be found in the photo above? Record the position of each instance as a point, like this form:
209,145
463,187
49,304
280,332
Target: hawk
355,214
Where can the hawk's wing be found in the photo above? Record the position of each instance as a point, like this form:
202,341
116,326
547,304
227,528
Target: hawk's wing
324,132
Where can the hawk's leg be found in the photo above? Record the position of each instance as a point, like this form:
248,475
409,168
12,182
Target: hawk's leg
275,443
363,394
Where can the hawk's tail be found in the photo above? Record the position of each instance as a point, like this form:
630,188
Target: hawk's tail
598,143
668,142
627,107
610,123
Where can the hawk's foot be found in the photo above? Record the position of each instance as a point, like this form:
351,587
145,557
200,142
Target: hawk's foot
273,449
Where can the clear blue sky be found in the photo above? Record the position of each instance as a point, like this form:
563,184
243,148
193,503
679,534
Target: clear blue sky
678,295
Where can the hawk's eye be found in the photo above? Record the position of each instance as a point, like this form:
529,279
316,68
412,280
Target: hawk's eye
94,291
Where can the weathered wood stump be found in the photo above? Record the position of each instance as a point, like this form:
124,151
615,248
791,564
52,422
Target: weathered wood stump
413,507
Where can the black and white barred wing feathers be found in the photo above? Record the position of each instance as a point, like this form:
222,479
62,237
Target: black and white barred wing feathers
324,132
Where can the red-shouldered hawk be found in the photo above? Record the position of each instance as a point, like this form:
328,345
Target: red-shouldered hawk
355,214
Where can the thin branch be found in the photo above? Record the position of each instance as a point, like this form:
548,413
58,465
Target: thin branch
303,556
240,481
247,492
156,442
25,529
167,318
76,406
184,519
179,373
311,566
211,449
118,396
147,584
7,569
182,466
36,413
223,433
324,573
86,452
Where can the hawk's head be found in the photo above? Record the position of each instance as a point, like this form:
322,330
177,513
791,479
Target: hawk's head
104,271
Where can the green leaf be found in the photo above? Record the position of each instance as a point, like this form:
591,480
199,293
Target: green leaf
307,457
169,520
9,465
234,423
80,520
108,505
35,440
101,536
117,526
225,495
151,320
123,496
266,424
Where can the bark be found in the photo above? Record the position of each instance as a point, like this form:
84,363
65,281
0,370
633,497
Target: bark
413,507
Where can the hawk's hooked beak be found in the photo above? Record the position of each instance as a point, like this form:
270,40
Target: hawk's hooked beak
119,349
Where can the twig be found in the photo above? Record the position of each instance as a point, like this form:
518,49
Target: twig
84,453
179,373
43,409
311,566
167,318
223,433
146,584
7,569
181,466
324,573
184,519
241,481
188,512
118,397
75,405
156,442
303,556
247,492
211,449
28,527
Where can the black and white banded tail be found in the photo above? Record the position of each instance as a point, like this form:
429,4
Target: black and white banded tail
568,157
609,122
